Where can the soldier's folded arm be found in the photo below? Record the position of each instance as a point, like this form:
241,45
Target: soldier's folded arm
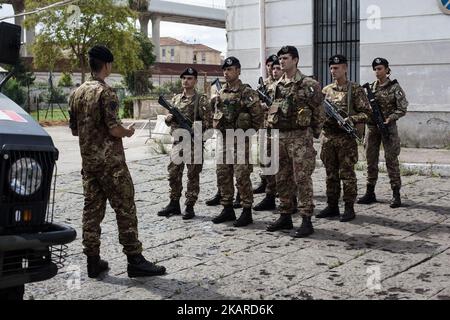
361,106
402,104
110,108
73,124
318,111
255,108
205,112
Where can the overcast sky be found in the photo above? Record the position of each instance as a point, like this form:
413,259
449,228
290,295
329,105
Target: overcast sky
212,37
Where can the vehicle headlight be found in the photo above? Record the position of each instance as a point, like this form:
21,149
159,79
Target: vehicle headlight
25,176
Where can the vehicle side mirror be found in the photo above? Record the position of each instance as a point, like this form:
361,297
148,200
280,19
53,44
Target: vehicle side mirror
10,41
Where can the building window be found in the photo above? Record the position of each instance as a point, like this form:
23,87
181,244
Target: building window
336,31
195,58
203,58
172,55
163,55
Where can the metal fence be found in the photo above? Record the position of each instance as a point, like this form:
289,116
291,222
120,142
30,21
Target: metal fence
336,31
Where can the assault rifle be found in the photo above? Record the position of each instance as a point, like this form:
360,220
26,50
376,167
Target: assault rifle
378,116
332,112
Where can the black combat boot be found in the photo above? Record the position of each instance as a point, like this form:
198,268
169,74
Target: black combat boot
214,201
261,188
295,204
305,229
138,266
332,210
173,208
245,219
237,202
227,214
369,197
396,202
189,213
284,222
268,203
96,266
349,213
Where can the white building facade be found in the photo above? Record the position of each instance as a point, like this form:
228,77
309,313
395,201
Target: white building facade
414,35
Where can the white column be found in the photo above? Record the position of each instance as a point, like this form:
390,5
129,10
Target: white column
156,22
143,21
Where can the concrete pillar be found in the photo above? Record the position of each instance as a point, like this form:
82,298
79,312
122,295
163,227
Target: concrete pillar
156,22
143,21
30,36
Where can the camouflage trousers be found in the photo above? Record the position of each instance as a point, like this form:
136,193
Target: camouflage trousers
271,181
242,171
339,156
115,185
176,179
297,164
391,153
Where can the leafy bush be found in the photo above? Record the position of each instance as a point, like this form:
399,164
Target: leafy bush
15,92
65,80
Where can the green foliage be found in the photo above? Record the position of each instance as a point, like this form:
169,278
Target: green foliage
127,108
22,73
168,88
13,90
138,82
99,22
55,95
65,80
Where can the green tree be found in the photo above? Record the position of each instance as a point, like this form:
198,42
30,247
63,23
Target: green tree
138,82
65,80
76,28
15,92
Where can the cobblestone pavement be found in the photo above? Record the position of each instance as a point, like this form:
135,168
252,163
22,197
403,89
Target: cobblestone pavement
383,254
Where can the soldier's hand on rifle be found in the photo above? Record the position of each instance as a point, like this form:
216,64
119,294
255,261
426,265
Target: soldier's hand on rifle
169,117
349,120
130,130
388,120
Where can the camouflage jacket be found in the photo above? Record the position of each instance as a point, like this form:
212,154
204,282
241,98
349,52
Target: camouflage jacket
297,104
358,111
237,108
391,99
94,110
186,106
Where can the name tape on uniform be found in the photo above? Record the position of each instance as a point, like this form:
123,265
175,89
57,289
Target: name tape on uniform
10,115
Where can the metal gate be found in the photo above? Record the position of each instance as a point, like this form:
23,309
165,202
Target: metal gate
336,31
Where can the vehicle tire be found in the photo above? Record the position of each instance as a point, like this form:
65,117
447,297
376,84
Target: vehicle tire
13,293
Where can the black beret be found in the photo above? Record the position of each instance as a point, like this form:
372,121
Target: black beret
231,61
101,52
276,63
272,58
189,72
337,59
288,50
380,62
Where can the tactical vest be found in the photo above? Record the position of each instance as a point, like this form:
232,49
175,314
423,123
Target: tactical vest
289,110
232,113
191,109
386,100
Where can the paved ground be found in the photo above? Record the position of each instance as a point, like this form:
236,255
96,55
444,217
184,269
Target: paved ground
383,254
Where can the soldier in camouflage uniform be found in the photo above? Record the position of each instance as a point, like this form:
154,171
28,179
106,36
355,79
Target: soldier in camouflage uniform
94,119
269,182
261,188
393,104
340,149
297,112
195,107
237,107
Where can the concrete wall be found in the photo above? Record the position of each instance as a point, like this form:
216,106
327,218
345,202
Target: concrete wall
413,35
287,22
